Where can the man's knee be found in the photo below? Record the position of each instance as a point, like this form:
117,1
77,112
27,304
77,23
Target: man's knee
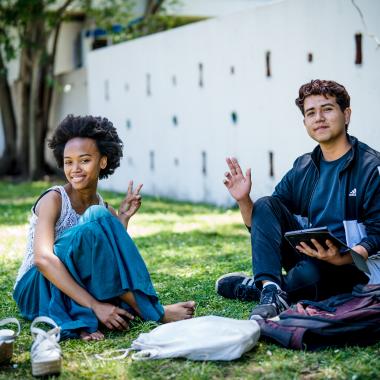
302,281
267,202
265,205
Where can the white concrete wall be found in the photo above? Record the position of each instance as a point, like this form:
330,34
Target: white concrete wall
70,96
268,120
214,8
65,60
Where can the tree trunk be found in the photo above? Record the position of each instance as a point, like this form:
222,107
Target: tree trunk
23,128
36,100
48,83
8,158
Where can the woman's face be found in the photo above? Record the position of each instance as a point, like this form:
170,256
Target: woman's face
82,162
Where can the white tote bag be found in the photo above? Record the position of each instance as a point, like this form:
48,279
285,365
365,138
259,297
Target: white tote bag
201,338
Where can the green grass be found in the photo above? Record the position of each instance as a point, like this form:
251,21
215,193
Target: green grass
186,247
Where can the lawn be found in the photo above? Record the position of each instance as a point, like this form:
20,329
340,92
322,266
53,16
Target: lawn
186,247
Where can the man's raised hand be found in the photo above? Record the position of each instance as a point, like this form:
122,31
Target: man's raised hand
237,184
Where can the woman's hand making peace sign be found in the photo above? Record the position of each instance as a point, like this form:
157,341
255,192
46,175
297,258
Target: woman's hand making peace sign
130,204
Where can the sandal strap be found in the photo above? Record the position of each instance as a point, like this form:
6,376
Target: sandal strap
55,331
12,337
45,342
44,348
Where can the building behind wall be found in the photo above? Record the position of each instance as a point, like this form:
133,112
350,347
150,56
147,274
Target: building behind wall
185,99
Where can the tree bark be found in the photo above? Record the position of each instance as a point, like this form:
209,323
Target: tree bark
36,100
49,87
8,158
33,117
23,126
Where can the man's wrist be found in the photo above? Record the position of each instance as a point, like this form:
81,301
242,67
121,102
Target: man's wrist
244,202
361,251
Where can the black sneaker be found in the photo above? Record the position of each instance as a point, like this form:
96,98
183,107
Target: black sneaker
237,286
272,302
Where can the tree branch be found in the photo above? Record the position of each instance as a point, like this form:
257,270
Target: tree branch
61,10
371,35
152,7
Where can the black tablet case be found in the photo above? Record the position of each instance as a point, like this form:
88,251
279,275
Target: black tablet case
321,234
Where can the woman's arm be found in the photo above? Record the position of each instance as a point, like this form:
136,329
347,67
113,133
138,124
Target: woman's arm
48,211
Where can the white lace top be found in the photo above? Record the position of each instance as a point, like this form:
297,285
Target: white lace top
68,218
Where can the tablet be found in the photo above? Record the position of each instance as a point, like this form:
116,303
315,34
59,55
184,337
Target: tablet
321,234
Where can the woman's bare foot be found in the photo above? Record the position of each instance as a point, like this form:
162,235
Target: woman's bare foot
97,335
178,311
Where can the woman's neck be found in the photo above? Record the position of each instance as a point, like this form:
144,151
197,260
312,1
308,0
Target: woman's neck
81,200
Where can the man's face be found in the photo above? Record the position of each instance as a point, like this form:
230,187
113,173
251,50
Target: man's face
324,120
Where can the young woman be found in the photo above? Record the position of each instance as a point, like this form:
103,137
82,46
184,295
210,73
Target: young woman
81,267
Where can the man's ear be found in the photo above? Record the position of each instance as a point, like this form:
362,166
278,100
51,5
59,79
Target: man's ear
347,115
103,162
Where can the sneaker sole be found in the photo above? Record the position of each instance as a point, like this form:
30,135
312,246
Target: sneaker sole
228,275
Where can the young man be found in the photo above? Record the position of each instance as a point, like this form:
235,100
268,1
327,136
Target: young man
337,185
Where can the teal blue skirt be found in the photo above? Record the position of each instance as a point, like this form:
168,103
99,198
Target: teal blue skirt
103,259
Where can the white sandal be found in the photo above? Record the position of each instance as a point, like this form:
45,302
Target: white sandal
7,337
45,352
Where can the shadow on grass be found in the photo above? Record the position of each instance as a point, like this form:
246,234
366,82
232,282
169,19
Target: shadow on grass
17,199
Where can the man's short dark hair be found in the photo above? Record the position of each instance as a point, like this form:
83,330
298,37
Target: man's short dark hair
99,129
323,87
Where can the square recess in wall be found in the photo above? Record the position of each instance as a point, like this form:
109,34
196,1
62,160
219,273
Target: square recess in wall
151,160
204,163
234,117
200,73
148,85
106,90
358,49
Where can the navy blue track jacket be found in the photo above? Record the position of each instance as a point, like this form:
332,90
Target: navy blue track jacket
360,181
